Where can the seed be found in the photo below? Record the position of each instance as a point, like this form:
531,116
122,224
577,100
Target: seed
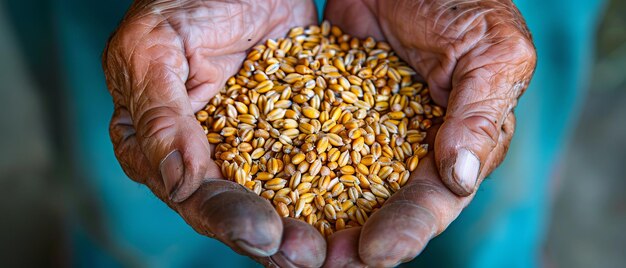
298,158
335,140
299,207
379,190
257,153
282,209
403,178
227,156
368,160
315,167
228,131
347,205
275,114
329,212
361,168
310,112
325,126
348,179
295,180
272,68
240,176
340,224
264,86
337,189
412,162
304,187
284,139
349,97
281,198
264,176
268,194
344,158
347,170
214,138
310,156
202,115
322,144
385,172
275,184
274,166
357,144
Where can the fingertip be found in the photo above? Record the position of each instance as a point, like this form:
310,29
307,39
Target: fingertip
383,246
461,145
465,170
172,172
343,249
187,176
238,216
197,162
460,172
254,251
302,245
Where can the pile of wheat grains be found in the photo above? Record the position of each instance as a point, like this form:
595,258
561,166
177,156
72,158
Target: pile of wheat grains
323,125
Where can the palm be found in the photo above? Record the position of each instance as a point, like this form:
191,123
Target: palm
210,39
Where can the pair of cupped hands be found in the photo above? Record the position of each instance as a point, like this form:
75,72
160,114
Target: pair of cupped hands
168,58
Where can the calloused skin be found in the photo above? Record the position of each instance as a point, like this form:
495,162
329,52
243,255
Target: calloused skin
477,58
168,58
163,63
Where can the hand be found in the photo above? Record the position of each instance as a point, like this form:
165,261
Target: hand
477,58
164,62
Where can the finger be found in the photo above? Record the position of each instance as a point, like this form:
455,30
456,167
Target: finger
343,249
193,210
126,148
478,58
156,98
420,210
234,215
400,230
355,17
168,133
302,246
486,85
212,64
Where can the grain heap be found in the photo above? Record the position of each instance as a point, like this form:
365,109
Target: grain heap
324,126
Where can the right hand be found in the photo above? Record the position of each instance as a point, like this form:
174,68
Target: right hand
164,63
477,58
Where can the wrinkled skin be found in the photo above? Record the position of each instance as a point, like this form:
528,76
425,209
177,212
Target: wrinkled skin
168,58
164,62
478,58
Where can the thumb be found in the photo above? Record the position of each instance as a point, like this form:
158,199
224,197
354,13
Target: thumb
167,131
485,87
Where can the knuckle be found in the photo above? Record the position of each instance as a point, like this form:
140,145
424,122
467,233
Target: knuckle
156,122
117,54
122,136
482,128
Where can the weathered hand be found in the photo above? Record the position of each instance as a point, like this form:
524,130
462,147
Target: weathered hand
478,58
164,62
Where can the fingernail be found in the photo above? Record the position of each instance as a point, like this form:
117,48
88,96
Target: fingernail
172,171
466,170
252,250
282,261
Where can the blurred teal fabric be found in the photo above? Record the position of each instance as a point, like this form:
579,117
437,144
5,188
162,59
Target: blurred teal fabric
503,227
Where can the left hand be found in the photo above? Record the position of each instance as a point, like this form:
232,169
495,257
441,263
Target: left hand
477,58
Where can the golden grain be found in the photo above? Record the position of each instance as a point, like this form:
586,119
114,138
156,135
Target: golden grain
323,125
